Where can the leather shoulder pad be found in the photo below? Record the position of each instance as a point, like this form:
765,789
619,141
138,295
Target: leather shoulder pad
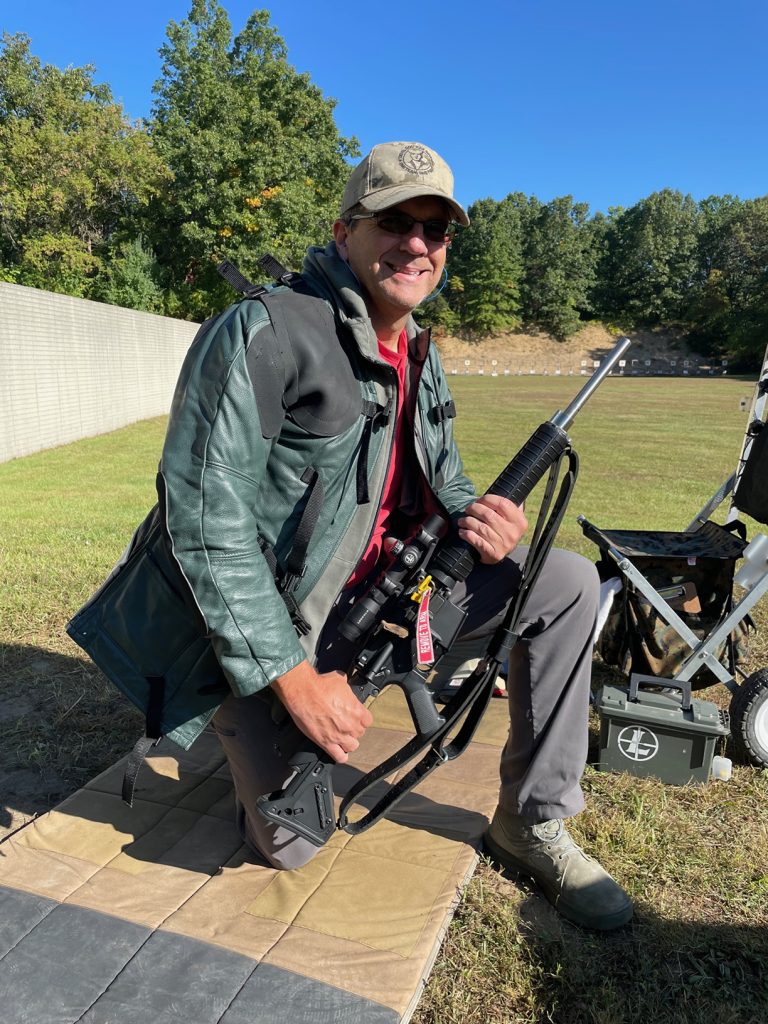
304,366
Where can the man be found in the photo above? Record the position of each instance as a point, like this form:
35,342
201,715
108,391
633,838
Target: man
327,397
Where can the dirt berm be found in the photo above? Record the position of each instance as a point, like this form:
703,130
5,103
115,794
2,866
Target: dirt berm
541,353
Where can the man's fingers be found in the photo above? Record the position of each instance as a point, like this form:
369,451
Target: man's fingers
325,709
496,501
335,751
493,525
366,718
477,541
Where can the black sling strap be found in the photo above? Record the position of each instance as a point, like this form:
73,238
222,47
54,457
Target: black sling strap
144,744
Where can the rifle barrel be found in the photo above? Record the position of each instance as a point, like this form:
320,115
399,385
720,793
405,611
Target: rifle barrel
565,419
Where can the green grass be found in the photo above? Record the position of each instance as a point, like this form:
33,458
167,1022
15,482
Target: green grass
651,450
694,859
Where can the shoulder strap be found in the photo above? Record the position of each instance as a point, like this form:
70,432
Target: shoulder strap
238,281
271,266
276,270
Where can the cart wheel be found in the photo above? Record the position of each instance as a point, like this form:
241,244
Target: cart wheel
749,719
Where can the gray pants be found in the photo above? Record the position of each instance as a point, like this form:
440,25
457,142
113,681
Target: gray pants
548,686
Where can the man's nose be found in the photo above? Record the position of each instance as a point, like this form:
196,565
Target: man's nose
415,241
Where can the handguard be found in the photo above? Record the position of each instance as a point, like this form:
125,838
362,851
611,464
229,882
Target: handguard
385,622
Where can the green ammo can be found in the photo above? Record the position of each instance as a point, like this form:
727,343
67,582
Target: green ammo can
646,732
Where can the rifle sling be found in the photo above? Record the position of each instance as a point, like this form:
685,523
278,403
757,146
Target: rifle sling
471,700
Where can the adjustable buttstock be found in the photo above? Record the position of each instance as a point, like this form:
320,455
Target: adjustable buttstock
305,805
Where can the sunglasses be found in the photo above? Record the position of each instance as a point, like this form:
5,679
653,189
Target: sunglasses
394,222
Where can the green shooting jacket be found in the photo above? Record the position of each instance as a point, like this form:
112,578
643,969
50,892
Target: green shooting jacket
276,391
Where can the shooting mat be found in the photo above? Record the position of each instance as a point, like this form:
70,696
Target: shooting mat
112,915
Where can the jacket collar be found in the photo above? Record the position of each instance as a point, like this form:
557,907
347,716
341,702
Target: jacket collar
332,277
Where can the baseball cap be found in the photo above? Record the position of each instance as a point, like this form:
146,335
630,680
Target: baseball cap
395,171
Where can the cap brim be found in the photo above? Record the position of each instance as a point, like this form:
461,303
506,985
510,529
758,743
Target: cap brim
394,194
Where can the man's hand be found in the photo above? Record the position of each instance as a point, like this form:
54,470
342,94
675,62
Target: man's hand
493,526
324,708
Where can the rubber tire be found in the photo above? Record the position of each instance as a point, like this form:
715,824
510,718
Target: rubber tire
749,719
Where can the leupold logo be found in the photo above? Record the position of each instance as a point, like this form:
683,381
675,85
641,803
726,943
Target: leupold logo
416,160
637,743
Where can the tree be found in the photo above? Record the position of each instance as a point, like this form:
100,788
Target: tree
731,310
650,265
485,268
258,163
559,261
130,278
73,172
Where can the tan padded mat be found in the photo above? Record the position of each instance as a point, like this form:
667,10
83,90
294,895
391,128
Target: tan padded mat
99,901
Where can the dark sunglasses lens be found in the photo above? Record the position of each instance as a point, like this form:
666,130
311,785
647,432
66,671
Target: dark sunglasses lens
395,223
402,224
437,230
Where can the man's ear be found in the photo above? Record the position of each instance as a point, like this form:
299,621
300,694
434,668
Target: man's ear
340,234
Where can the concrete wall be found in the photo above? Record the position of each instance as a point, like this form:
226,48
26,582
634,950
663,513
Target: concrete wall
70,368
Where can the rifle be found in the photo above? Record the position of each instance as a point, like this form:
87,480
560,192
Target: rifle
406,622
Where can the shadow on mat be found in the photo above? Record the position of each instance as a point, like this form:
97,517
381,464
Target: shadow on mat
62,723
189,821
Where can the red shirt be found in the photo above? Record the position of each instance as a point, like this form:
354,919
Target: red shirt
394,482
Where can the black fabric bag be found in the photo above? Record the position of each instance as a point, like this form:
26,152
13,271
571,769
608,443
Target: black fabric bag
751,494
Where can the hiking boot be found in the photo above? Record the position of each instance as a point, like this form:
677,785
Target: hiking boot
575,884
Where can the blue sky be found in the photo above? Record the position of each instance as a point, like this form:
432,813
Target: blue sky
605,101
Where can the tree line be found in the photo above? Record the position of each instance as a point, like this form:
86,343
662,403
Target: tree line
241,155
701,267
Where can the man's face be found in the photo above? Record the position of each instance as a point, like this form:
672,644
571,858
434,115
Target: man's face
397,272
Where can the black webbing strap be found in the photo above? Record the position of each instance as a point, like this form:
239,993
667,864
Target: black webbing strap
443,413
296,563
136,757
276,270
144,744
239,281
287,580
269,557
300,624
372,413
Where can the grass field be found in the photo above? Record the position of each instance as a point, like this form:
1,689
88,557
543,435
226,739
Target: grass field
694,859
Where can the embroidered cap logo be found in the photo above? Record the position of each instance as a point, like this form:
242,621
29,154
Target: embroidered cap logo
416,160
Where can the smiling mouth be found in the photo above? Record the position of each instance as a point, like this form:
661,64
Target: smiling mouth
413,272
